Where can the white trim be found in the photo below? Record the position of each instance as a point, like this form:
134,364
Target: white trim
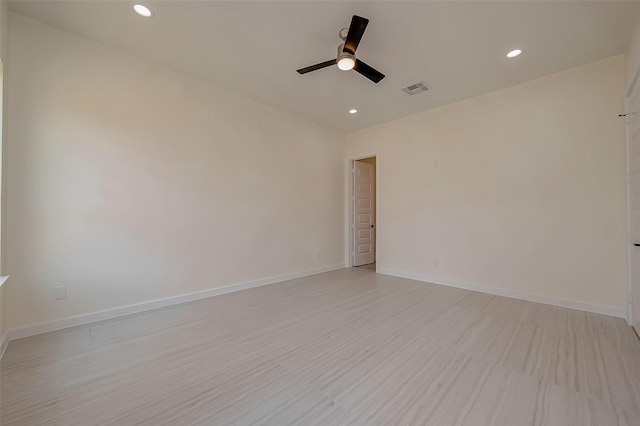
4,339
4,342
634,80
31,330
630,246
571,304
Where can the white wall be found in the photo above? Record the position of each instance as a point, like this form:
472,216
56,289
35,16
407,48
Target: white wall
520,190
127,182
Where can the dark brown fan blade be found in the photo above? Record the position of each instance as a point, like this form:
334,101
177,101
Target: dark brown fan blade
356,30
317,66
369,72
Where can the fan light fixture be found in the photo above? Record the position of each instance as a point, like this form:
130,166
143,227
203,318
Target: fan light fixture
346,63
346,57
142,10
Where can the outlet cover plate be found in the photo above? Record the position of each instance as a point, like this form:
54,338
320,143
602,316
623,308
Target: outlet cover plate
59,293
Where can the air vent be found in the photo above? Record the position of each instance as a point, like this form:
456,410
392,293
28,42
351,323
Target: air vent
416,88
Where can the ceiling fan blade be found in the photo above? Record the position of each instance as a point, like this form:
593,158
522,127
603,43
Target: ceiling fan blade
356,30
369,72
317,66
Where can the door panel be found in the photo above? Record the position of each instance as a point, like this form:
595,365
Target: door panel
364,233
633,135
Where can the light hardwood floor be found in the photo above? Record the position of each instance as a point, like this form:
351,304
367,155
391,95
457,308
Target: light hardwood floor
343,348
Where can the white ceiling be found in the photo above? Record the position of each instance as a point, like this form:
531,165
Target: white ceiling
254,48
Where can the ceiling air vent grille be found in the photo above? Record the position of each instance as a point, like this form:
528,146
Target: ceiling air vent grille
416,88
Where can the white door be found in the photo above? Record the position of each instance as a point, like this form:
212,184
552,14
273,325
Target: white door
633,137
364,231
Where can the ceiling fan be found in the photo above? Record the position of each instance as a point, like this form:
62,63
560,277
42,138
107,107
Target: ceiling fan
346,59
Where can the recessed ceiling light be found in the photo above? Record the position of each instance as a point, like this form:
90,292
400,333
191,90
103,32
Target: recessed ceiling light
514,53
142,10
353,111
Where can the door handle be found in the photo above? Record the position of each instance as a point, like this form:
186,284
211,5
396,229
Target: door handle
636,244
372,227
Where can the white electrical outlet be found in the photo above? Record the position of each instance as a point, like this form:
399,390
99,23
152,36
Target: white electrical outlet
59,293
318,255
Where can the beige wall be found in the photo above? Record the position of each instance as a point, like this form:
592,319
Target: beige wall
520,190
127,182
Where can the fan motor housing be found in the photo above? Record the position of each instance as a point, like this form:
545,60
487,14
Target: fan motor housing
345,55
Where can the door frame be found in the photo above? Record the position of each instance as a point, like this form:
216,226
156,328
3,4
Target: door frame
350,207
628,191
630,243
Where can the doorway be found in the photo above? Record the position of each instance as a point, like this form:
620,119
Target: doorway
363,208
632,121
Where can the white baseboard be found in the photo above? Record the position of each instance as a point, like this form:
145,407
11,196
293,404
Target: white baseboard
31,330
571,304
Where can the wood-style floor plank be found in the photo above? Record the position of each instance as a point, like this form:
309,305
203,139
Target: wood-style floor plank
348,347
